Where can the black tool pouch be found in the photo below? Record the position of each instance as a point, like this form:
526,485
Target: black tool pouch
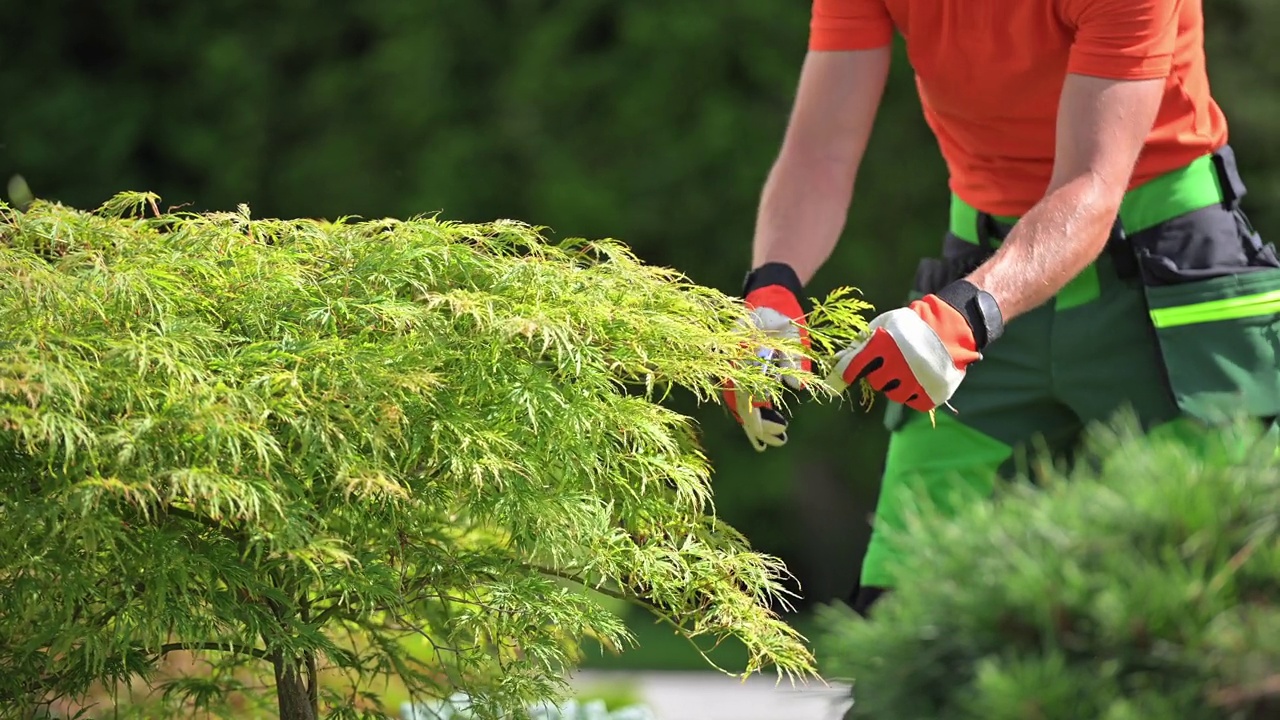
959,258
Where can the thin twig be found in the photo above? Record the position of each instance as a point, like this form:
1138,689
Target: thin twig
214,646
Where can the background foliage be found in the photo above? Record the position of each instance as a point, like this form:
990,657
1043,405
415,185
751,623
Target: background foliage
651,122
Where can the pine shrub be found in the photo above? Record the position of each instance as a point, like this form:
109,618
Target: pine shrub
1142,584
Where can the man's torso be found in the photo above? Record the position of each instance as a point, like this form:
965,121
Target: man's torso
989,73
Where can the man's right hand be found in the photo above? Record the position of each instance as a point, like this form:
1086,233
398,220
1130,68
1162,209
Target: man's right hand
772,294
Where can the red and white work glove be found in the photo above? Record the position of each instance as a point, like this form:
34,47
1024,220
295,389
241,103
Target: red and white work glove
918,355
772,294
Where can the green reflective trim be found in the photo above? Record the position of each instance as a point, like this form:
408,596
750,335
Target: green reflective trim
1267,303
964,220
1175,193
1081,289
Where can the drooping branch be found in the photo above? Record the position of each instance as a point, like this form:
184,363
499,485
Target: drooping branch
214,647
652,609
193,517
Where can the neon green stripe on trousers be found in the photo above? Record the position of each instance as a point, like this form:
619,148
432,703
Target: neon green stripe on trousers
1266,303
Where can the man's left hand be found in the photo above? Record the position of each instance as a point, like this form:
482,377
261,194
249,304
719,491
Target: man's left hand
919,354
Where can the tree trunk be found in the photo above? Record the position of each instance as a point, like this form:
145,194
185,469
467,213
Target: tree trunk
296,699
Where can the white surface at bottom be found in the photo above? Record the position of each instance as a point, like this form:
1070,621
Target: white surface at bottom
715,696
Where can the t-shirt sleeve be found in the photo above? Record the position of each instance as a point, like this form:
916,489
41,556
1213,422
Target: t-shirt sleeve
1123,39
849,25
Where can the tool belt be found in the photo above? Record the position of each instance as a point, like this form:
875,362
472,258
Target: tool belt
1210,285
1139,237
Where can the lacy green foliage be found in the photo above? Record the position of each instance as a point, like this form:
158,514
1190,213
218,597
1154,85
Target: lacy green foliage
297,443
1142,588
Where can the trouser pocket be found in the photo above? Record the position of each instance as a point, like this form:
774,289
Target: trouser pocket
1213,291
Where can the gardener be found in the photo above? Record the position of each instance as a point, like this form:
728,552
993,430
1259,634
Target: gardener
1097,258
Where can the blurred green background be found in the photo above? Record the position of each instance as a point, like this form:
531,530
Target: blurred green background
652,122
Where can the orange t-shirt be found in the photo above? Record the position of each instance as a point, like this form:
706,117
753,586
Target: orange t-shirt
989,73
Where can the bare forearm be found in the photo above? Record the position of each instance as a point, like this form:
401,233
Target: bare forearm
802,211
803,205
1049,246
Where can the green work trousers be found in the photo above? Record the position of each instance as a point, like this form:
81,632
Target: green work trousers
1179,320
